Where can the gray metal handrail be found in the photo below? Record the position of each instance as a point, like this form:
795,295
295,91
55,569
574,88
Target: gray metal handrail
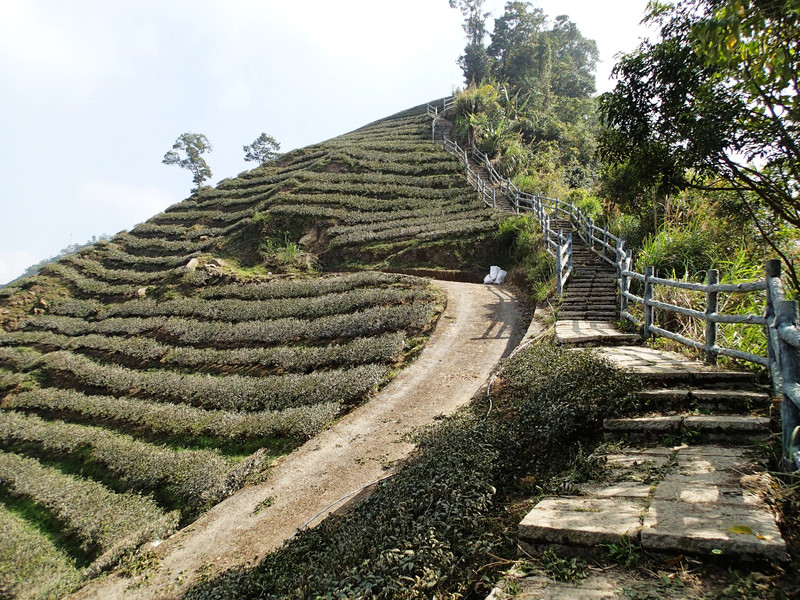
779,320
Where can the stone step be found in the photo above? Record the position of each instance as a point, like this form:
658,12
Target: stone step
690,500
705,427
718,400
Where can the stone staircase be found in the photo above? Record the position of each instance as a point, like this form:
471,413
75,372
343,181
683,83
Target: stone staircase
679,480
591,292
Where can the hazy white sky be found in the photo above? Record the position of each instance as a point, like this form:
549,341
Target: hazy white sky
94,93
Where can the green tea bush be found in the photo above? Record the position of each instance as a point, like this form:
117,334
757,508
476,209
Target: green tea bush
146,352
412,317
231,392
104,523
234,310
192,480
431,531
309,286
31,565
179,420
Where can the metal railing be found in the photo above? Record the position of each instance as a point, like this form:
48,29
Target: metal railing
779,319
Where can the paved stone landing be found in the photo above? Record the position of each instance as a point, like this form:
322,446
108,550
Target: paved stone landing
668,365
579,332
701,500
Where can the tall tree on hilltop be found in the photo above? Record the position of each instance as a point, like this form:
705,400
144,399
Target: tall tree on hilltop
475,62
263,149
521,52
192,145
713,104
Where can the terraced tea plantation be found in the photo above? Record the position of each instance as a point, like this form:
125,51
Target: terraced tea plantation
147,378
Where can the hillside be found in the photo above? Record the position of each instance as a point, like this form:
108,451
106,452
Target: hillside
148,377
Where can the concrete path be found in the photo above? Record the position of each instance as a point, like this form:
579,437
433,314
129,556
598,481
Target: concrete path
479,326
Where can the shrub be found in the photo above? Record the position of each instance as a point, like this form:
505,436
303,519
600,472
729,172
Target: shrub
104,523
191,480
31,565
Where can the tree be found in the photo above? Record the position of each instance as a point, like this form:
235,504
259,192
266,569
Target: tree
192,145
475,62
712,104
263,149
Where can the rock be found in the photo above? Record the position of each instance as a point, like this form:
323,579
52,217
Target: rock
192,265
216,262
141,293
43,303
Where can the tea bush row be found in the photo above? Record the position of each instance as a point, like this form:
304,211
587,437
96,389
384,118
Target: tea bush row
310,286
384,190
402,221
230,392
369,322
104,523
372,205
236,310
85,285
147,352
180,420
176,231
92,269
31,565
191,480
459,227
18,359
116,257
133,245
351,217
438,181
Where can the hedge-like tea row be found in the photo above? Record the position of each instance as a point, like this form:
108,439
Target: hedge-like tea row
351,217
18,359
309,286
86,285
424,231
335,179
92,269
145,352
134,245
366,204
31,565
236,310
114,257
302,422
103,522
191,480
397,221
383,190
369,322
232,392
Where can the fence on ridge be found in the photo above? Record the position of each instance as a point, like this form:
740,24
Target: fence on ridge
778,320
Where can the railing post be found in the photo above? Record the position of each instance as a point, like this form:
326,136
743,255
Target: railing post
772,270
627,261
494,200
711,311
605,240
559,266
649,273
569,255
786,316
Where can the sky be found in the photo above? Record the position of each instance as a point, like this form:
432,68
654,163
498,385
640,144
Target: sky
94,93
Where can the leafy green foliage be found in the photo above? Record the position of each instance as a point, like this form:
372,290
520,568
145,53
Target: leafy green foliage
428,531
31,565
192,145
711,105
264,149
